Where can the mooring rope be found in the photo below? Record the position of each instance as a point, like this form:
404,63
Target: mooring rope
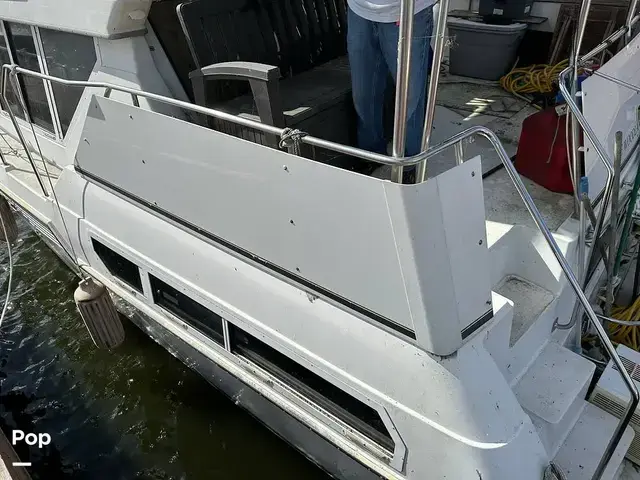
6,300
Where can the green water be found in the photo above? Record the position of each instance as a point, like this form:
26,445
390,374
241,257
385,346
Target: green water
135,413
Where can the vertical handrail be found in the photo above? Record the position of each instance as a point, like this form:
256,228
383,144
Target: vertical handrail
577,170
576,114
403,69
630,14
438,48
615,203
459,153
602,154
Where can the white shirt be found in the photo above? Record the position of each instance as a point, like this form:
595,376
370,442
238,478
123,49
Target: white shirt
383,11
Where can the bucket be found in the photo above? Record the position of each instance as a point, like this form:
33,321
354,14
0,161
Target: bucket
483,51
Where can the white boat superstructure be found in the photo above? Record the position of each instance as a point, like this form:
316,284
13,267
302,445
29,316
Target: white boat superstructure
384,330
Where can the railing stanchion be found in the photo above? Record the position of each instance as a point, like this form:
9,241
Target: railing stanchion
438,48
459,152
405,35
632,10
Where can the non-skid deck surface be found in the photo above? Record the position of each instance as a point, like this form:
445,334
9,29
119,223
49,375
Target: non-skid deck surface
503,204
529,301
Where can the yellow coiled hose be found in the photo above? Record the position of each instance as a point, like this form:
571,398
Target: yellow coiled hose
533,79
628,335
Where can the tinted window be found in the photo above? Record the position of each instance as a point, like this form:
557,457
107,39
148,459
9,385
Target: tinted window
183,307
25,55
118,266
350,410
10,94
72,57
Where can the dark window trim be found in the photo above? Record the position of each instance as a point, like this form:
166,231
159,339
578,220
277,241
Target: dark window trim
62,131
188,310
8,38
324,394
104,251
58,134
37,51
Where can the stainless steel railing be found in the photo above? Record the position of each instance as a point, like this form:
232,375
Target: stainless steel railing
599,148
570,97
454,141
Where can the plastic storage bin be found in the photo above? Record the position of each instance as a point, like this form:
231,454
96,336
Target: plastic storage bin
483,51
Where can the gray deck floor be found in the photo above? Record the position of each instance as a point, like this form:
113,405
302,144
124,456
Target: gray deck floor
503,204
464,102
529,302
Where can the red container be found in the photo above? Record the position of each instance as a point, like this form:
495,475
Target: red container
542,153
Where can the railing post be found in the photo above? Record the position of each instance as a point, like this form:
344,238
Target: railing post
405,35
602,154
628,23
577,170
441,25
613,227
459,152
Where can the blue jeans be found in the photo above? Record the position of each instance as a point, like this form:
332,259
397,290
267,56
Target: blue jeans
373,54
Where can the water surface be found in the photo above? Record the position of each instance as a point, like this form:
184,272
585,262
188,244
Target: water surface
135,413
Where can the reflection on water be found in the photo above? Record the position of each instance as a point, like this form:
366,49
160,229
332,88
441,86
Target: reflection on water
135,413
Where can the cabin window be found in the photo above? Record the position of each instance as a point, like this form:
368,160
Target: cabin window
118,266
182,306
72,57
332,399
25,54
9,93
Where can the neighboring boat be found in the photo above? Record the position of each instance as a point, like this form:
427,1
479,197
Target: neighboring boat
384,330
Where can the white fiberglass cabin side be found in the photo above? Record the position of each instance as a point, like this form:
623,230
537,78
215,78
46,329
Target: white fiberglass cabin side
382,329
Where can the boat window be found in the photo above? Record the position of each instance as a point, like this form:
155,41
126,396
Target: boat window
72,57
118,266
25,55
5,59
332,399
187,309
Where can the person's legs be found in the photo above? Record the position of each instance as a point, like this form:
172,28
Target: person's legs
420,44
368,80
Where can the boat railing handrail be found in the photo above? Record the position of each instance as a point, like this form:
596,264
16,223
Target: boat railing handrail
246,122
576,113
453,141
